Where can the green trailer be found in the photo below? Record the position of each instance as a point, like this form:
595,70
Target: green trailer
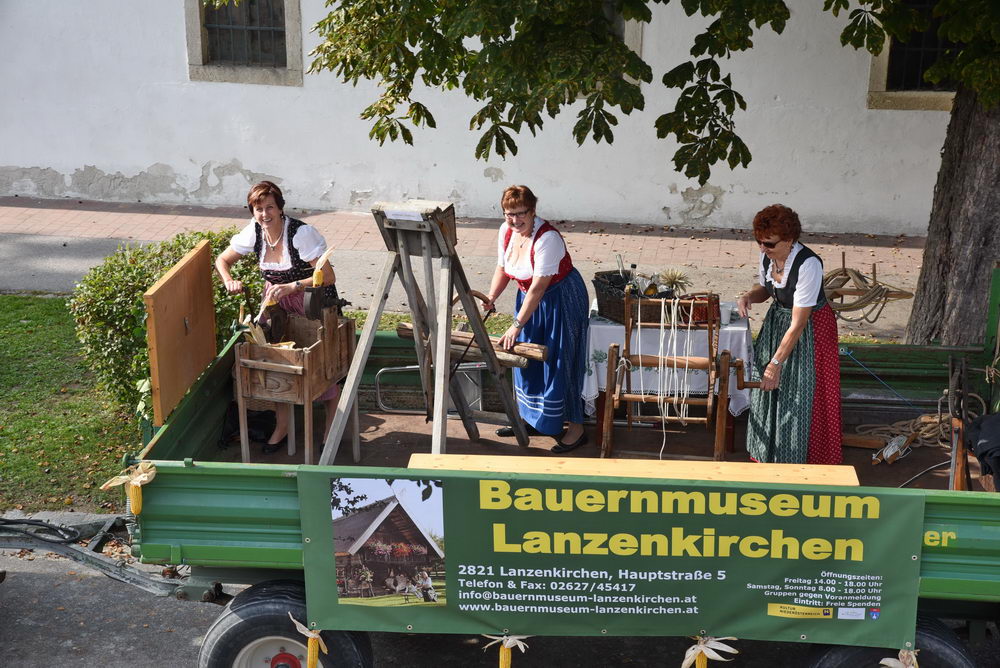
848,568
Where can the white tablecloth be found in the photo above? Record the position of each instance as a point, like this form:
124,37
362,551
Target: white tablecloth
734,337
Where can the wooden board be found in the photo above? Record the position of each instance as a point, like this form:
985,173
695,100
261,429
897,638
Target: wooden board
180,328
859,441
798,474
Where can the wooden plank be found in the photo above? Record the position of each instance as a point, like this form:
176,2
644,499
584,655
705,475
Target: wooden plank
464,291
798,474
656,419
271,366
859,441
442,358
349,393
180,328
655,399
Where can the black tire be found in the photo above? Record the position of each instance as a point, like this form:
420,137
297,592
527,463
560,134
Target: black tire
257,619
939,648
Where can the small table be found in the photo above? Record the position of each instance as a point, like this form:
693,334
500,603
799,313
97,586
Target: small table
734,337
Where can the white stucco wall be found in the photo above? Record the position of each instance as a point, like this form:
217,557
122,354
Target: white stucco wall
98,105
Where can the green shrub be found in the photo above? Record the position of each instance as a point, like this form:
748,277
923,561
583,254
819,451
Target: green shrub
111,315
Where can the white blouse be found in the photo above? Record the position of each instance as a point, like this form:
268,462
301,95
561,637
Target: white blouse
549,252
810,277
308,242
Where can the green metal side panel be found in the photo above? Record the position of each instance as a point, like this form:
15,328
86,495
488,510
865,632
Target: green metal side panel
221,514
968,566
193,429
916,372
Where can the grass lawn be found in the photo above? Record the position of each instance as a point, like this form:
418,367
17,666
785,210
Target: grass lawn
60,438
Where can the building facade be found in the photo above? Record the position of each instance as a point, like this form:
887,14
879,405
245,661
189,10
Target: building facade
122,101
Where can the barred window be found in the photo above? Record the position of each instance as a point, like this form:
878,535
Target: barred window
254,42
251,33
909,60
896,80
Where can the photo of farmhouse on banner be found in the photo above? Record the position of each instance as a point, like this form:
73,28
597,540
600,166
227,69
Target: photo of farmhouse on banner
389,541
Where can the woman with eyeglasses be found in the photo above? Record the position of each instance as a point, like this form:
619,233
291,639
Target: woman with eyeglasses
795,416
551,309
286,251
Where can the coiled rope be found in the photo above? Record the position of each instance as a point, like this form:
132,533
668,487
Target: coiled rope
930,429
875,295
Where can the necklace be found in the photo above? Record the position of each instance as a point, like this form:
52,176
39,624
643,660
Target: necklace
267,237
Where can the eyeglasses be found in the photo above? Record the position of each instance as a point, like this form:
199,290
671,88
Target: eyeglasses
516,214
769,244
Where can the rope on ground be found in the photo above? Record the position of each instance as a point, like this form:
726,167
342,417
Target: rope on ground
875,294
930,429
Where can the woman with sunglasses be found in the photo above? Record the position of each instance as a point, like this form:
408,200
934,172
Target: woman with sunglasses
795,416
551,309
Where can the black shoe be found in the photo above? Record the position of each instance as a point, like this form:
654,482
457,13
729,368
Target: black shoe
508,432
271,448
566,447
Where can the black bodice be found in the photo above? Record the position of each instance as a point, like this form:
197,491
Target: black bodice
785,296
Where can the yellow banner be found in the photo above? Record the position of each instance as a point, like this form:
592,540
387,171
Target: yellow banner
798,611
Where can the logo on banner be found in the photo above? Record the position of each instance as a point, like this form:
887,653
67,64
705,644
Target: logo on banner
875,613
798,611
850,613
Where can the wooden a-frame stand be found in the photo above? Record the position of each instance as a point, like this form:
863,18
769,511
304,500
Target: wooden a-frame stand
426,230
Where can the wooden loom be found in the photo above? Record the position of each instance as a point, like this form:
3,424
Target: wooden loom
425,230
698,314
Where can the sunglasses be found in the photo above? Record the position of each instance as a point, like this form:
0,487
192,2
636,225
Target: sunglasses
768,244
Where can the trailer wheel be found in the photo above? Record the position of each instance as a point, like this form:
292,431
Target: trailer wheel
254,631
939,648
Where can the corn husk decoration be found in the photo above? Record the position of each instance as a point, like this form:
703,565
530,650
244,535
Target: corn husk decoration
134,477
907,659
255,334
313,645
506,643
707,648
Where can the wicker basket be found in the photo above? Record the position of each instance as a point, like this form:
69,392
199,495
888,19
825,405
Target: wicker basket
609,287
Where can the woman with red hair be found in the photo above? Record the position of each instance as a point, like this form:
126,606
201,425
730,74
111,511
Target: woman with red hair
795,416
551,309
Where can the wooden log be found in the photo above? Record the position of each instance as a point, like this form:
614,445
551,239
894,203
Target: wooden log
653,361
474,354
533,351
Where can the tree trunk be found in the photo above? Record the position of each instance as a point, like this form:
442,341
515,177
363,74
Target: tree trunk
963,240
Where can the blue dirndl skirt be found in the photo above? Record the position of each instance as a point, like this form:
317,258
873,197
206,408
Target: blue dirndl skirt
549,393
